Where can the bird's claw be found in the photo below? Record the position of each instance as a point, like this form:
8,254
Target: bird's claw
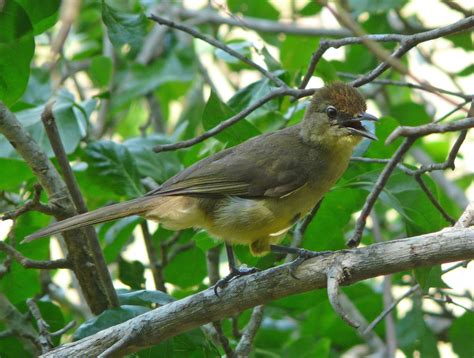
234,273
302,256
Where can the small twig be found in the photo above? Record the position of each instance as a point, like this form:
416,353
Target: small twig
219,45
450,301
28,263
235,327
334,276
408,293
245,344
134,332
54,137
457,7
44,337
33,204
63,330
433,200
422,87
467,217
431,128
301,229
377,189
153,258
223,339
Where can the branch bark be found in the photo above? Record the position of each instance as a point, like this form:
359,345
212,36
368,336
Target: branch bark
174,318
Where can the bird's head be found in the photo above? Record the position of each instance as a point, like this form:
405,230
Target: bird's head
335,116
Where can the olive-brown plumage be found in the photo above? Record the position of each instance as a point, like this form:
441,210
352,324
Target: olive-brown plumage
254,192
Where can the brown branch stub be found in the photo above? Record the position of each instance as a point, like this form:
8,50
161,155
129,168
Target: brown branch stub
448,245
335,274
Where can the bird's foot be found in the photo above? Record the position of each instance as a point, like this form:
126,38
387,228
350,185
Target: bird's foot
301,256
234,273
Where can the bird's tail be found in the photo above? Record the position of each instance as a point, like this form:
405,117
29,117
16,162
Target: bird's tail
137,206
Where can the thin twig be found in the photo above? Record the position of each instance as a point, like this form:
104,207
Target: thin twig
153,258
245,344
28,263
63,330
223,339
44,337
422,87
433,200
33,204
377,189
301,229
219,45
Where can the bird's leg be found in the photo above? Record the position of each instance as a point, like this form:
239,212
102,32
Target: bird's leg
234,270
301,255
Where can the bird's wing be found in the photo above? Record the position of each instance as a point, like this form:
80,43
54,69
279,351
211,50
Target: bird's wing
264,167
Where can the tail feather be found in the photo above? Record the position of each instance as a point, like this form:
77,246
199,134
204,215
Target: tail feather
137,206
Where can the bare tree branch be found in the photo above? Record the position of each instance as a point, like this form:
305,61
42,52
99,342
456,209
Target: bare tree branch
379,259
262,25
245,343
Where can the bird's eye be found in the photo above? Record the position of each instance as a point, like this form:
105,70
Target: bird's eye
331,112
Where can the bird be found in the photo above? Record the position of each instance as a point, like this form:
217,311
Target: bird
254,192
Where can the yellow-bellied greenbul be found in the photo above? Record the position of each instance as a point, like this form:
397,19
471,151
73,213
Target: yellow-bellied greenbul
254,192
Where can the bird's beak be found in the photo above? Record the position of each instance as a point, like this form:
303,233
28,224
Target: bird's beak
355,126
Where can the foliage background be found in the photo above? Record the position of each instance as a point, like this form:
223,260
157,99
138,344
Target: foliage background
119,92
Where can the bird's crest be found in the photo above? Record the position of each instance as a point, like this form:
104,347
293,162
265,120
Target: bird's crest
344,97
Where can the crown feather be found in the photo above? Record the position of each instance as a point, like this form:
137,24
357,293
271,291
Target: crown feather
342,96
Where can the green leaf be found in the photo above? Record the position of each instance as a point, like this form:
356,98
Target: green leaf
108,318
115,235
260,9
17,47
187,268
308,347
463,40
100,70
310,9
123,26
414,335
217,111
18,172
248,95
143,297
429,277
296,52
69,119
160,166
204,241
114,166
467,71
43,14
137,80
410,114
375,6
461,335
132,273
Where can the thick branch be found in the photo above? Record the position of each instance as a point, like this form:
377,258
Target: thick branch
249,291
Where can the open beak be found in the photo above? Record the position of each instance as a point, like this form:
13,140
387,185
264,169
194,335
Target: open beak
355,126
